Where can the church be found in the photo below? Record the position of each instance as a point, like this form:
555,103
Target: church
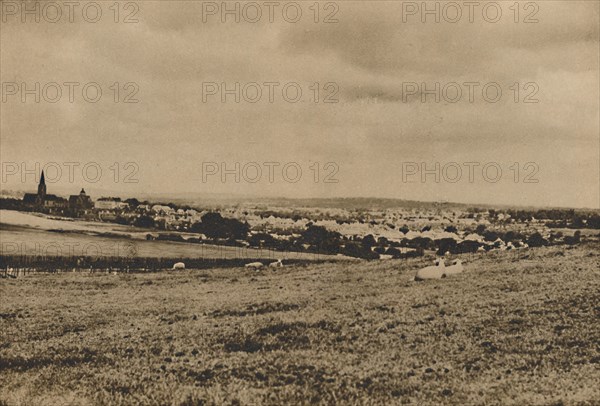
77,204
44,200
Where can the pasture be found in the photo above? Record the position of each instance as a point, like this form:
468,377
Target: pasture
29,241
508,331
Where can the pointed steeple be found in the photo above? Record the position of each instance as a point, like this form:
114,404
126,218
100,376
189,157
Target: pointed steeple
42,187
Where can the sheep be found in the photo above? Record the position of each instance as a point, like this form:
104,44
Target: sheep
179,265
254,265
432,272
276,264
455,268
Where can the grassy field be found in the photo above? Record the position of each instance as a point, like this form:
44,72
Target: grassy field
19,240
505,332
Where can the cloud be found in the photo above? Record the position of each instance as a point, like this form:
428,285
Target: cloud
370,54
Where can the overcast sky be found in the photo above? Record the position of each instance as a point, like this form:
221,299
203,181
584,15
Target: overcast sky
371,57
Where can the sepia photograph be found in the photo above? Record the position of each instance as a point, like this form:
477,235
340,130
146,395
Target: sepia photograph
309,202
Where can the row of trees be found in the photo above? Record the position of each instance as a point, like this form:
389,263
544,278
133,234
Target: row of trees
559,218
319,239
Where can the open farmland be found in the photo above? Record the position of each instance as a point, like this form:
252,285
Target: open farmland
507,331
28,241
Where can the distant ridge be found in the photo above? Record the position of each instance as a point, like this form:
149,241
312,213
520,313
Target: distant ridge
195,199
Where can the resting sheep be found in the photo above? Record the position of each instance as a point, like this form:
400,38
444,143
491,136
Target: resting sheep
254,265
276,264
432,272
455,268
179,265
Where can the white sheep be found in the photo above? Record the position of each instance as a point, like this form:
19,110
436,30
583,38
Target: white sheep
179,265
455,268
432,272
276,264
254,265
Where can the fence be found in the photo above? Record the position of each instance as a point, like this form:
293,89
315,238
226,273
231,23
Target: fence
20,265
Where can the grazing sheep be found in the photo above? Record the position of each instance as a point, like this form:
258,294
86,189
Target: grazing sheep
432,272
254,265
276,264
179,265
455,268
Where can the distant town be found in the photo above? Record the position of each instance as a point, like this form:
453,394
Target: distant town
369,233
109,209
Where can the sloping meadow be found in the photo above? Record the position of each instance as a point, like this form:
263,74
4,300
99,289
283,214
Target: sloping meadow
510,330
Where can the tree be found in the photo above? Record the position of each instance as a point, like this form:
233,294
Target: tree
451,229
575,239
121,220
445,244
577,222
133,202
261,240
395,252
369,241
421,242
144,221
467,247
513,236
213,225
536,240
354,249
324,240
490,236
594,221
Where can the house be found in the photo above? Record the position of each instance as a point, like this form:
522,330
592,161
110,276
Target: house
81,203
110,203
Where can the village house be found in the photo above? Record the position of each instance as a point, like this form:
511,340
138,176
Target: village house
110,203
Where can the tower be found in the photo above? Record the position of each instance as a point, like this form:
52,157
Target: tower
42,188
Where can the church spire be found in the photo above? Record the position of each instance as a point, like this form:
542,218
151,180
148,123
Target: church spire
42,187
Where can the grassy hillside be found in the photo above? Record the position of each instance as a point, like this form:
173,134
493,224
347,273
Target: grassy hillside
506,332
